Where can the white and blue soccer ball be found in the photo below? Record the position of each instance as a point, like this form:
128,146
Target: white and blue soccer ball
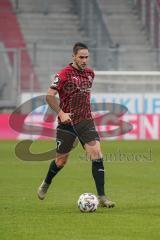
88,202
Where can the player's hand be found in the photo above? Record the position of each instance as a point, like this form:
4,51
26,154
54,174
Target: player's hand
64,117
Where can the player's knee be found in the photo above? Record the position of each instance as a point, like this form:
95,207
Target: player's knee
61,160
93,150
95,154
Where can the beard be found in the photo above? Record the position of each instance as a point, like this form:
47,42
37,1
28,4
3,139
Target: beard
81,67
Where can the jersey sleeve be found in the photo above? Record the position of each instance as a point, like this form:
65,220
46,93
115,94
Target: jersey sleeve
57,82
93,74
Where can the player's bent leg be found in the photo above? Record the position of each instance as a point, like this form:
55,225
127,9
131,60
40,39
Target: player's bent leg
94,153
65,139
55,167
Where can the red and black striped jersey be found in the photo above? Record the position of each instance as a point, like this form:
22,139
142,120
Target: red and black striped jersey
74,87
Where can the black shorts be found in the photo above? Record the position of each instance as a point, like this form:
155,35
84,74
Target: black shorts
85,131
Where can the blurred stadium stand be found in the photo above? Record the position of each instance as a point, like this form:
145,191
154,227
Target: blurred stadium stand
8,78
49,28
12,38
37,38
135,51
5,74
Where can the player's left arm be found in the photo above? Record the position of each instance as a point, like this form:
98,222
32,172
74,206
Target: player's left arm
54,104
52,100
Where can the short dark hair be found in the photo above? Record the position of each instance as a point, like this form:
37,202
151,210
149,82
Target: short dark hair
78,46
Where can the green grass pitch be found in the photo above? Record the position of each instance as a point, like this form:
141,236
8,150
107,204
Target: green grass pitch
133,184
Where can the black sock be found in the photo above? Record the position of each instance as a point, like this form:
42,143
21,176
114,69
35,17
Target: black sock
53,170
98,175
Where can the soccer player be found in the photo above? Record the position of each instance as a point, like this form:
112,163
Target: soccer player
73,84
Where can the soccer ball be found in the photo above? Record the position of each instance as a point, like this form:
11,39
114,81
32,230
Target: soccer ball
87,202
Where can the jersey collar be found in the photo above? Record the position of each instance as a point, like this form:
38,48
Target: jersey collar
71,65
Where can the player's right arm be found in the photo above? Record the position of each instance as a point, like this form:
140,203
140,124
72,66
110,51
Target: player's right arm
54,104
